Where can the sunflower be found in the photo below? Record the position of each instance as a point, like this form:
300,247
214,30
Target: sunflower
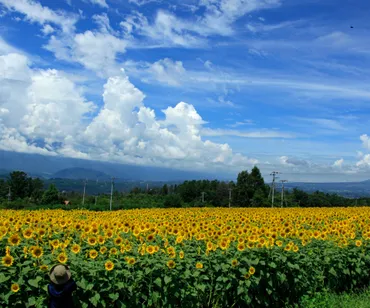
358,243
93,254
27,234
41,232
7,260
150,237
7,250
103,250
109,265
131,261
25,250
37,252
250,245
44,267
62,258
118,241
109,233
76,248
223,245
247,276
92,241
113,251
295,248
14,240
150,249
15,287
279,243
234,262
241,247
170,250
171,264
252,270
55,244
101,239
181,254
209,245
199,265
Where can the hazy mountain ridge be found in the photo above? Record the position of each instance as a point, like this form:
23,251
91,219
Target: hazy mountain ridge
80,173
48,166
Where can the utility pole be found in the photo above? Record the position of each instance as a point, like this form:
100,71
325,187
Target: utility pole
202,196
83,196
282,191
230,197
273,173
111,193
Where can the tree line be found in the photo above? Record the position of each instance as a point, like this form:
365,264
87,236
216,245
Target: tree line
19,190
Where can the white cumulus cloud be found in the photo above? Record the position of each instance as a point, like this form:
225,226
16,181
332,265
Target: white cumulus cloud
101,3
35,12
43,111
338,163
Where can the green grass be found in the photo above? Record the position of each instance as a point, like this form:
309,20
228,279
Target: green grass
345,300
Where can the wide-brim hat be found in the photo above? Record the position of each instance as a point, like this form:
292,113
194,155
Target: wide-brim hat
60,274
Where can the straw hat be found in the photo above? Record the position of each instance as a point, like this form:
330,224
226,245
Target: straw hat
60,274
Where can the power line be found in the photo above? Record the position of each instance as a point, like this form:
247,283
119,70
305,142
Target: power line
230,189
83,197
274,177
111,193
282,191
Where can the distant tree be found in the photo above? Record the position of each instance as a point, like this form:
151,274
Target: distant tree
37,190
189,190
300,198
241,198
173,200
19,184
259,198
164,190
136,190
256,180
51,195
4,190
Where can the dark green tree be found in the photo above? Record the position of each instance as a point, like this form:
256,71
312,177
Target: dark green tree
241,197
173,200
259,198
19,184
51,195
256,180
164,190
37,189
4,189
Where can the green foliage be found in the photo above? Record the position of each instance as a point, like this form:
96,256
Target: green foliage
173,200
19,184
249,191
50,196
332,300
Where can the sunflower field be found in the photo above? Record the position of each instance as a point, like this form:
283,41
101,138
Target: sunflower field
198,257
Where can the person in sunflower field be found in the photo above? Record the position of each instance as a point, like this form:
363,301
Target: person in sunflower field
61,287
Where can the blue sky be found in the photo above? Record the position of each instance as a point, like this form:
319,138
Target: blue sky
215,85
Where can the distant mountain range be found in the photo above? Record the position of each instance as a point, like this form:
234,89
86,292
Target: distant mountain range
346,189
80,173
51,166
68,174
